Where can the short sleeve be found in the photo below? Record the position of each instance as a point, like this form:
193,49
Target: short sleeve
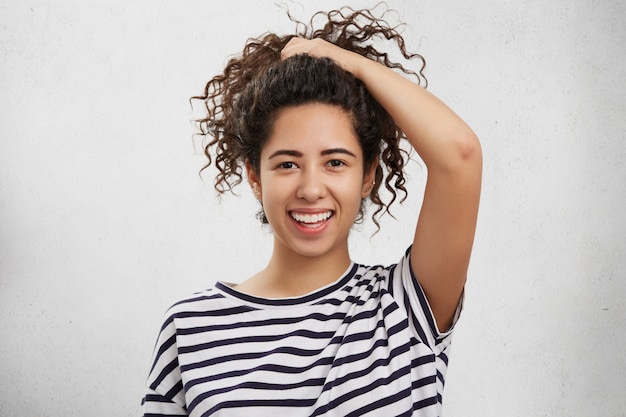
164,394
408,292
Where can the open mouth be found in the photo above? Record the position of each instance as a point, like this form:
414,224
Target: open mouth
311,220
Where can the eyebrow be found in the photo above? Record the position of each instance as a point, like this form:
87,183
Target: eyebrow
287,152
298,154
337,150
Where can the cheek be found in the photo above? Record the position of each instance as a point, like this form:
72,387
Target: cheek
274,193
350,190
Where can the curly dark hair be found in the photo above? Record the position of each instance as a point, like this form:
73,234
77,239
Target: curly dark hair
243,102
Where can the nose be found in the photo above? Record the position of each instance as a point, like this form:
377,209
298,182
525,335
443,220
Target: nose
311,186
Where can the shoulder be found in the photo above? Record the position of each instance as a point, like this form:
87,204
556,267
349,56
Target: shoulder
194,301
383,274
207,303
400,282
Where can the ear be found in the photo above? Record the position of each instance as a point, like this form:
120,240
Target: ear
368,180
254,180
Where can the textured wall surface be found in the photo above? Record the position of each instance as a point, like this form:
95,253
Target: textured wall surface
104,221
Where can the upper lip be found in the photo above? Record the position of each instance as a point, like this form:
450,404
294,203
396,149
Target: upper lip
311,210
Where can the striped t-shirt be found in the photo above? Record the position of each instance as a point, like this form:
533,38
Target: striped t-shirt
366,344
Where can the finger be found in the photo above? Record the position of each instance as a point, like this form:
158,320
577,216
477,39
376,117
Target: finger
294,46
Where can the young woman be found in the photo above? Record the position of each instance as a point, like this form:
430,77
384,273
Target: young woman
315,121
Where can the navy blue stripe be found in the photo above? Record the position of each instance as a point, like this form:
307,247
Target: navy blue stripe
423,302
422,360
205,297
426,402
164,373
378,402
390,283
423,382
416,324
440,377
178,387
254,385
171,318
331,301
155,398
163,348
222,312
210,313
167,322
247,356
354,358
350,299
261,323
287,402
355,337
164,415
309,334
265,367
363,315
369,314
390,309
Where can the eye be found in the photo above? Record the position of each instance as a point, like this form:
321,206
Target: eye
336,163
286,165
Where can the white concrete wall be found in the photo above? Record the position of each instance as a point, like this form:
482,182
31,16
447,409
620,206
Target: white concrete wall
104,221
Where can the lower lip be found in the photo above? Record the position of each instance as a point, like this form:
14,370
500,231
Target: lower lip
311,228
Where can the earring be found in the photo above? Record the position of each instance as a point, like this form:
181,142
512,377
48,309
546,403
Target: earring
256,191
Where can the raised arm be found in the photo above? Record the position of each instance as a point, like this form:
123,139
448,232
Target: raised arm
451,151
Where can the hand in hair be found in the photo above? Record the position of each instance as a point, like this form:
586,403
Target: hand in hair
320,48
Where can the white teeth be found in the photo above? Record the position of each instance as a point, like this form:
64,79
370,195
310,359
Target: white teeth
311,218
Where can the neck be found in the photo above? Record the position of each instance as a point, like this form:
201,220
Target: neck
289,274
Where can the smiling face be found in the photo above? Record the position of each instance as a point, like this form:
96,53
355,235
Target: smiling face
311,180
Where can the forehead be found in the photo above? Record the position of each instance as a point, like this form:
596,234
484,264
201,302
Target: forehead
312,128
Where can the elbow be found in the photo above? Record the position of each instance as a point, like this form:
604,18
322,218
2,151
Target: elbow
456,152
464,155
468,148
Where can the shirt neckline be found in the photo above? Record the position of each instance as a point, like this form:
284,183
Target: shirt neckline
307,299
